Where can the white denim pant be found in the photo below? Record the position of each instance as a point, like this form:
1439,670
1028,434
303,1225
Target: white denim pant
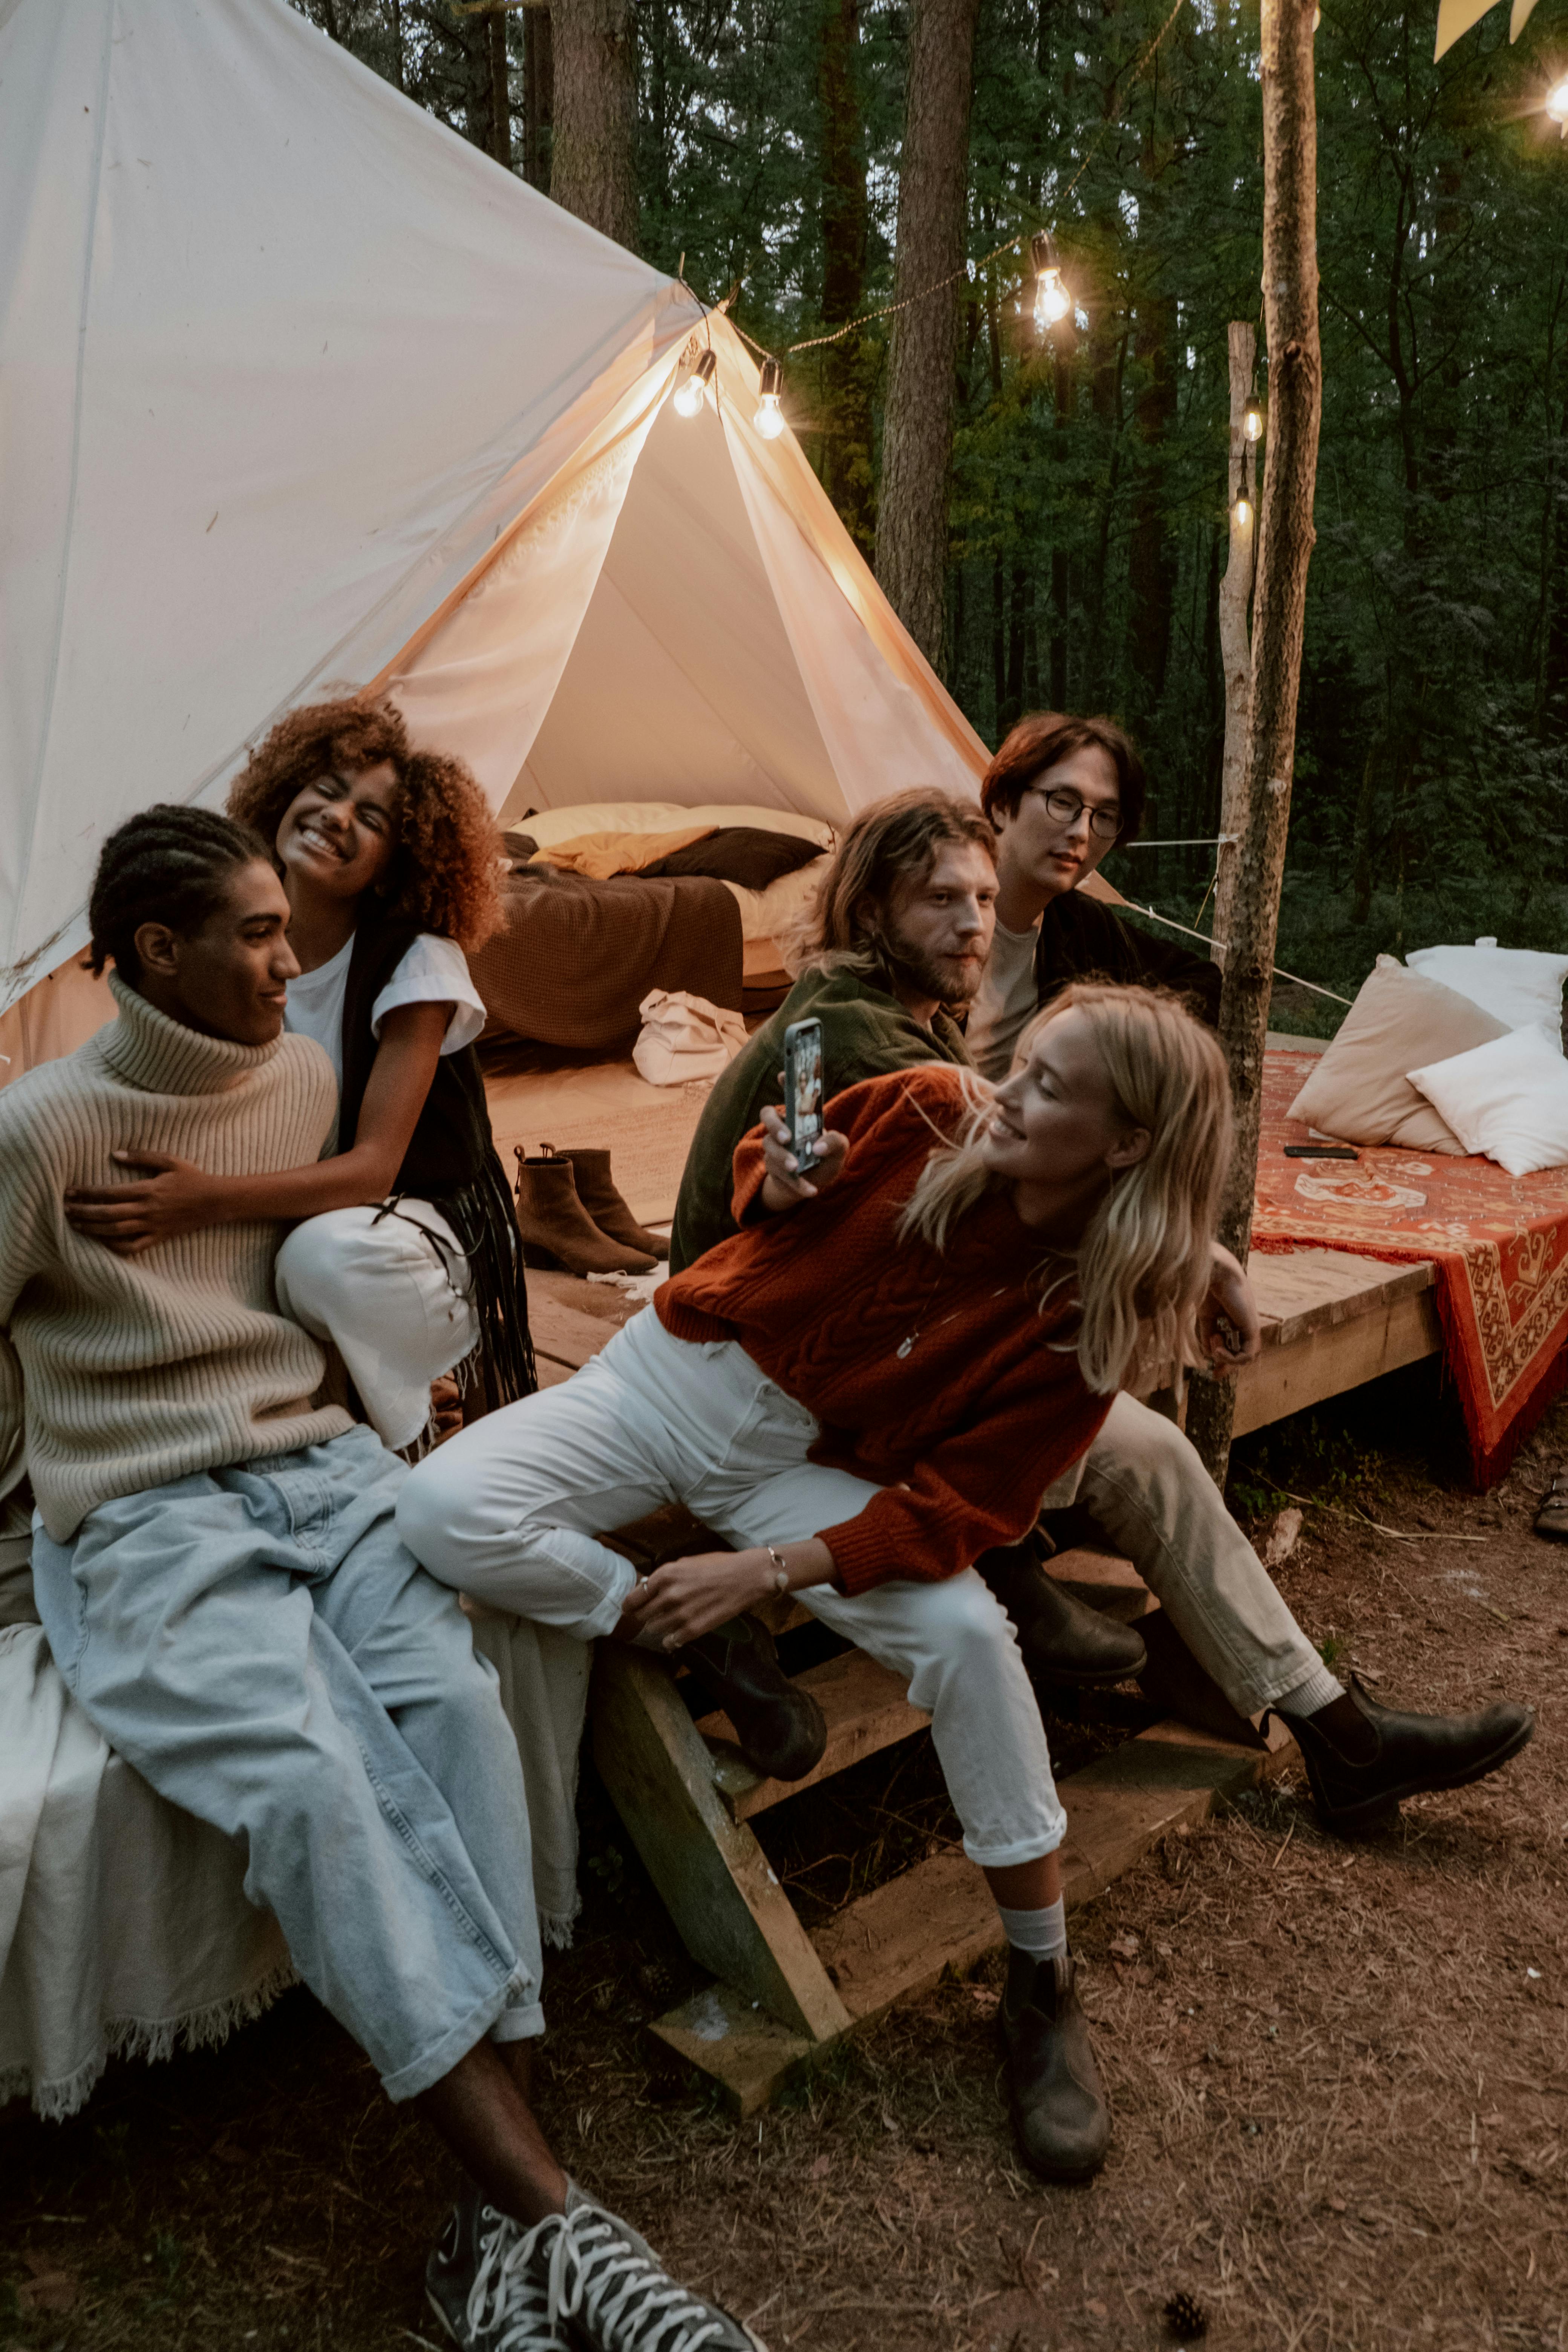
257,1641
1144,1482
388,1286
509,1511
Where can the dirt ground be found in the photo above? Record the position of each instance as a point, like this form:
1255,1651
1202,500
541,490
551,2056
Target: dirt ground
1340,2073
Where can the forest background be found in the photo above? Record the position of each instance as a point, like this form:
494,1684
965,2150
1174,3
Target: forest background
1086,511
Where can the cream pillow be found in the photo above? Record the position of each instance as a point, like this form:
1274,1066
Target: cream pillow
1359,1088
1508,1099
1519,986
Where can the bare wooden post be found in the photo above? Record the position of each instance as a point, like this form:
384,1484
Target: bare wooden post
1284,552
1235,604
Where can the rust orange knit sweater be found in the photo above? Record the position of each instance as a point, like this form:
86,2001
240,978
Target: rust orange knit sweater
933,1373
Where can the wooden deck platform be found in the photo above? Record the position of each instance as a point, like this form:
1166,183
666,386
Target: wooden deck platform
782,1998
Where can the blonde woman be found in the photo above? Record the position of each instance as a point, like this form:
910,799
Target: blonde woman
873,1381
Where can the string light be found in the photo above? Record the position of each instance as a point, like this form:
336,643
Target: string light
1052,300
1557,108
1252,419
688,399
769,419
1241,513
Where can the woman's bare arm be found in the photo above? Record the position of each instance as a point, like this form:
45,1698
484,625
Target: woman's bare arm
181,1198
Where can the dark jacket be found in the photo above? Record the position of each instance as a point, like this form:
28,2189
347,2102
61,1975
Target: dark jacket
865,1031
1083,938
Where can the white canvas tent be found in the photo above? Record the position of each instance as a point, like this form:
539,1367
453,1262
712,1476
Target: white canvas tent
299,388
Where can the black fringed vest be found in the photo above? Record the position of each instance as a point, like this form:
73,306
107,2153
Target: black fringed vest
450,1161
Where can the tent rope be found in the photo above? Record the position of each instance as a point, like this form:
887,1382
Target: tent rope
1224,946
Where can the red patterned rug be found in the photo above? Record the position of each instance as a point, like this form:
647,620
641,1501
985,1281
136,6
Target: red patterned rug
1499,1243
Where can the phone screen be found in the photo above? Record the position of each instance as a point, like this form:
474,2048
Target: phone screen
803,1082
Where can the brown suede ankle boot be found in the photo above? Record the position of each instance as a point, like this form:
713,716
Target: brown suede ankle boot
557,1230
604,1203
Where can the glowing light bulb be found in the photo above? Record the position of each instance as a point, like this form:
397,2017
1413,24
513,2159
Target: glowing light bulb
1052,300
769,419
1252,420
688,399
1241,513
1557,108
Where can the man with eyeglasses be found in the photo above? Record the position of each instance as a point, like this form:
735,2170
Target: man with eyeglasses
1060,793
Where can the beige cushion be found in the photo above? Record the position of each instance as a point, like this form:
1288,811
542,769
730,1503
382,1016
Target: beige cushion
1399,1022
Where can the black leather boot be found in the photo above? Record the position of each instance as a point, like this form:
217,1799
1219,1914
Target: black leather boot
1060,2119
779,1729
1360,1769
1062,1639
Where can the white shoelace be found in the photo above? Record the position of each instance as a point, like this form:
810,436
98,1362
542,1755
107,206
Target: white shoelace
502,2289
628,2301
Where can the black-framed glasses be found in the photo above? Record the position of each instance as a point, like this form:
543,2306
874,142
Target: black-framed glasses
1105,823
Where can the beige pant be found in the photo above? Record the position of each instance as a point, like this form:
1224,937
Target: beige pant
1144,1482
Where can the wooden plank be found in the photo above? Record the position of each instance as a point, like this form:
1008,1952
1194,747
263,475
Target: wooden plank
746,2053
564,1333
715,1880
1104,1581
897,1940
866,1710
1289,1379
1305,1291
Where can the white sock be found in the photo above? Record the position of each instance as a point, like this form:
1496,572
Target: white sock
1043,1935
1317,1688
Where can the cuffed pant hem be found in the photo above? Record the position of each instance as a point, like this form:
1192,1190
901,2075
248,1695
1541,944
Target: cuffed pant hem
423,2073
1303,1691
603,1620
519,2024
1008,1857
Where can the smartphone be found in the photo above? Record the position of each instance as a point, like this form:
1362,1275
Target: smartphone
1320,1152
803,1087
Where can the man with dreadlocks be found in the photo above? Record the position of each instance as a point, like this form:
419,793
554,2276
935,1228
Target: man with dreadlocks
404,1252
217,1569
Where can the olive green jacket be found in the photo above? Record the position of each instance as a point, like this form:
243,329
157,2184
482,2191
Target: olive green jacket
865,1031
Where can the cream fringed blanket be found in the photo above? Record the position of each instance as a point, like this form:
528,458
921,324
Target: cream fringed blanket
124,1927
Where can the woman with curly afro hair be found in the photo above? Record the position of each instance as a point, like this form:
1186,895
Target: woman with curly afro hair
404,1251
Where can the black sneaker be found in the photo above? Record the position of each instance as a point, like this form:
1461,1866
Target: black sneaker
601,2281
478,2291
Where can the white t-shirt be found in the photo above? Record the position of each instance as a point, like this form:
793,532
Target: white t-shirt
434,971
1005,1001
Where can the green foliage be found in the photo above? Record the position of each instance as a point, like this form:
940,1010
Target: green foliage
1088,493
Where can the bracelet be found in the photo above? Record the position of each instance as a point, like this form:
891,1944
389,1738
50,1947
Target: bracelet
781,1580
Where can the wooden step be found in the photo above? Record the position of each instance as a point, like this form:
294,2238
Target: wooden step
866,1710
1104,1580
899,1938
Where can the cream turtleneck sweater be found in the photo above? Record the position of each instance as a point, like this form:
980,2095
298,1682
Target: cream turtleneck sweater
122,1373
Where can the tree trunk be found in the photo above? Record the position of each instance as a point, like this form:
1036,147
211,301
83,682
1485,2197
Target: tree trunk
1150,563
847,470
593,165
537,96
1235,602
500,90
912,532
1284,552
1064,395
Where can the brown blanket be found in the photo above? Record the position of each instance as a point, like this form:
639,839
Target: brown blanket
576,958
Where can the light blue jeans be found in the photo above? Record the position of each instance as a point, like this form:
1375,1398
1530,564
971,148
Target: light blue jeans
257,1641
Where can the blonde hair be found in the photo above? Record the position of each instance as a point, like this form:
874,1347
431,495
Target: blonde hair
1146,1257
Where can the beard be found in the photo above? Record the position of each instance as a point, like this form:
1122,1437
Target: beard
952,980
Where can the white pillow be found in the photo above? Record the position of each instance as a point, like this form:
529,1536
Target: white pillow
1519,985
1508,1099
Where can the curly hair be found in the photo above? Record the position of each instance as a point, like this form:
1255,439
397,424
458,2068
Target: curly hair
443,874
165,864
